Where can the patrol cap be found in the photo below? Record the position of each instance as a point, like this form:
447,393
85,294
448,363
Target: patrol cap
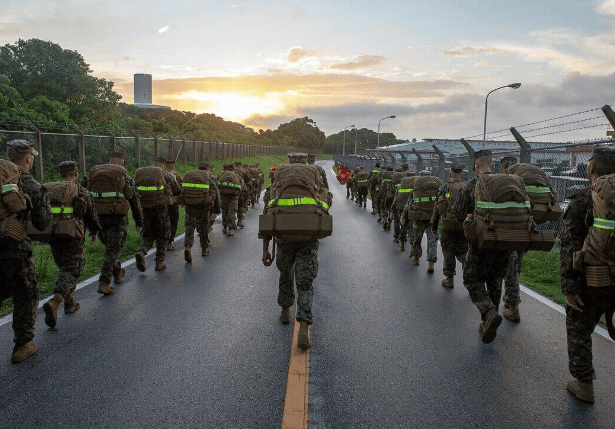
297,158
311,158
117,155
405,166
377,164
67,167
457,167
425,173
361,168
480,153
237,163
171,163
160,160
507,161
604,154
202,166
399,170
389,168
21,146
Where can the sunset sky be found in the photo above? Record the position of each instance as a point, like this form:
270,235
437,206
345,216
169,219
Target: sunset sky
430,63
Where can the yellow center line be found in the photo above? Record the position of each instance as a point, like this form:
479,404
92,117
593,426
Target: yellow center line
296,401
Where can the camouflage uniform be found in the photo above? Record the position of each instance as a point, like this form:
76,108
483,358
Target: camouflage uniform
374,184
174,209
17,270
420,227
198,217
242,199
598,300
511,280
298,263
69,254
454,243
484,269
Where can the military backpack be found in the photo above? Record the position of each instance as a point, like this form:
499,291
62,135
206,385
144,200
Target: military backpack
151,187
386,184
406,186
108,188
13,204
361,179
543,198
67,212
229,183
424,197
446,206
196,190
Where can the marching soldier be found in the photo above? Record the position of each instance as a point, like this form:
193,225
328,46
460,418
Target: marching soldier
311,159
173,207
69,253
229,184
374,183
19,279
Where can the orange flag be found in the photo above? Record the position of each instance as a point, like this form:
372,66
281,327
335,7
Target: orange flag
343,174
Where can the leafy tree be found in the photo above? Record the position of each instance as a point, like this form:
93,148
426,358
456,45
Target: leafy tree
303,132
42,68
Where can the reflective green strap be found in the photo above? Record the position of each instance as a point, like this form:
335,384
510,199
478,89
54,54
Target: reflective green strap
106,194
387,180
300,201
150,188
403,191
376,171
9,187
377,188
61,210
537,190
195,185
604,223
231,185
423,199
362,181
447,195
506,205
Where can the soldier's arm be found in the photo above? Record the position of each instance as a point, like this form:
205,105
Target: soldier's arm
90,218
41,207
465,201
135,204
217,203
572,235
435,217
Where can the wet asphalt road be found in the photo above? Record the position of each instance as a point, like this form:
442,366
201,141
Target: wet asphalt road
199,345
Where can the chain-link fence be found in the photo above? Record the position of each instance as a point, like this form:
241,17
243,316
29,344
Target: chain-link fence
91,150
564,164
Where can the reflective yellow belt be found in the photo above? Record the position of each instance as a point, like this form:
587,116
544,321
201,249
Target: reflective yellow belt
506,205
61,210
403,191
106,194
298,202
150,188
537,190
9,187
195,185
230,185
423,199
604,223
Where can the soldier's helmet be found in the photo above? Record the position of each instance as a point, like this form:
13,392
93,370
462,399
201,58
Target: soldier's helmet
297,158
507,161
67,167
457,167
481,153
311,158
20,146
425,173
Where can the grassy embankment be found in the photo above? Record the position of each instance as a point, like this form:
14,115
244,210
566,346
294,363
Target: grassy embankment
95,253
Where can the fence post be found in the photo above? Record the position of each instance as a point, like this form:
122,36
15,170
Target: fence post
82,165
610,115
171,149
419,161
470,163
442,163
183,149
112,146
194,150
137,150
38,146
155,146
526,154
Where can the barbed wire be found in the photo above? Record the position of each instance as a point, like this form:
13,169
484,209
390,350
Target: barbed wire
573,129
553,126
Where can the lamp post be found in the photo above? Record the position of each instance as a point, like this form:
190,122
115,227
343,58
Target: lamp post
344,143
391,117
513,86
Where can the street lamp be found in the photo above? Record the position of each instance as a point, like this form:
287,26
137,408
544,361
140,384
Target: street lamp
513,86
344,143
391,117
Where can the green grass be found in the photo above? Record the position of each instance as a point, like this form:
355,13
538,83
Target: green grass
95,253
541,273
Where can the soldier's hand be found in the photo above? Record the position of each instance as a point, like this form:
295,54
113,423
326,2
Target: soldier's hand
574,301
93,239
267,261
402,221
213,216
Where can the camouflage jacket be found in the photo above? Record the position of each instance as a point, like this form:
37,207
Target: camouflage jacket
174,181
577,220
465,201
90,217
130,193
435,219
217,204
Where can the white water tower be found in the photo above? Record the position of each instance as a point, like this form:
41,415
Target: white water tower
143,88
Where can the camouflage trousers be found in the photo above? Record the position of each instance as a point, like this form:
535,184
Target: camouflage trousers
298,263
373,193
173,222
155,228
242,207
454,245
511,280
581,325
18,279
419,228
361,196
197,218
483,272
386,203
69,256
230,204
113,233
349,191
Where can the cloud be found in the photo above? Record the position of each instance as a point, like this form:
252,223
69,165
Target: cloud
473,52
362,62
299,14
606,7
163,30
295,54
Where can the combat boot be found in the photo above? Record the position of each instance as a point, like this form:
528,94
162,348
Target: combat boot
414,260
285,316
204,251
51,310
187,254
23,351
105,288
430,267
395,239
402,245
379,218
120,276
160,265
448,282
224,230
70,304
140,258
364,205
303,339
240,224
582,390
492,320
231,232
511,312
170,246
373,212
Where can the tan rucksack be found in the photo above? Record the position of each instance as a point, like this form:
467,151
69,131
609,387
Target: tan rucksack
361,179
65,223
196,190
597,257
446,206
298,209
13,204
107,186
424,197
542,197
386,184
406,186
229,183
502,218
152,188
